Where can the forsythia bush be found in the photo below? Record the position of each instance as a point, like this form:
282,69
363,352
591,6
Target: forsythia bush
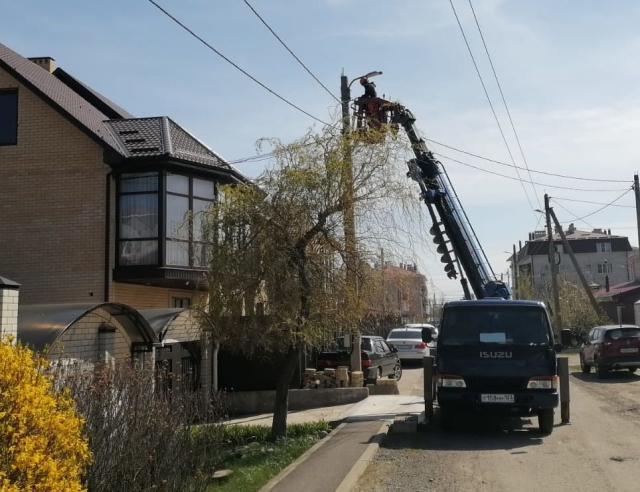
41,443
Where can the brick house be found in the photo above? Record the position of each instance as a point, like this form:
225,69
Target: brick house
93,200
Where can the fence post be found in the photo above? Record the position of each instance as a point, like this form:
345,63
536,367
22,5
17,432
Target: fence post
429,375
565,397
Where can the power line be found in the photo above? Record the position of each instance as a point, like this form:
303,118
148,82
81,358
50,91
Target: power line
571,213
601,208
289,50
506,107
486,93
598,180
593,203
174,19
517,179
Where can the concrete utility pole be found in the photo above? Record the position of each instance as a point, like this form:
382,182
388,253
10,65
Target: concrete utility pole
636,189
515,274
576,265
554,268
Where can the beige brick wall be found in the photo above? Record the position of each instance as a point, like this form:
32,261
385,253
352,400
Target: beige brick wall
52,206
9,312
148,297
82,340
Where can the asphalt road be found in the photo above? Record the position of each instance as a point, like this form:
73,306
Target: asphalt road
598,451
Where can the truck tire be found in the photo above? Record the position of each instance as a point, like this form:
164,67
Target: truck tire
545,420
447,418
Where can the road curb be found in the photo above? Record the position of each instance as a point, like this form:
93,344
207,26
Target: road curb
302,458
358,469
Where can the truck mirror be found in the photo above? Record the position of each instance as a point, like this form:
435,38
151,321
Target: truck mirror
427,335
565,337
557,347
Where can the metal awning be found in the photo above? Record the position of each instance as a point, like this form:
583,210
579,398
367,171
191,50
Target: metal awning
40,325
160,319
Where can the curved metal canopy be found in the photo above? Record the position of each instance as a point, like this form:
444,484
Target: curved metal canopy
160,319
40,325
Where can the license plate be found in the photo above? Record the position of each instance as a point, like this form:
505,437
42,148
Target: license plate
497,398
629,350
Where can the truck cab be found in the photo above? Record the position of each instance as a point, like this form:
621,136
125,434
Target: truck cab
496,356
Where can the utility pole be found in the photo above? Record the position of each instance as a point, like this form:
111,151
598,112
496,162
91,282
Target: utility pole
515,274
349,220
554,267
636,189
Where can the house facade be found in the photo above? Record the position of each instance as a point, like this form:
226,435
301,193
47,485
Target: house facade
97,207
602,258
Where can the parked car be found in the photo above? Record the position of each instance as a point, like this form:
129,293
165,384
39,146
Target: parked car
611,347
408,341
378,359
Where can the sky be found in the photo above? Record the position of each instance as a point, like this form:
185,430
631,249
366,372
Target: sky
567,68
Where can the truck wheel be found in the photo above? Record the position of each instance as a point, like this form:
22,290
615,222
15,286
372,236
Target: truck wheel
545,420
584,367
447,418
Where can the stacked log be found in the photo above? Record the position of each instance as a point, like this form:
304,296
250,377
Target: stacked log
357,379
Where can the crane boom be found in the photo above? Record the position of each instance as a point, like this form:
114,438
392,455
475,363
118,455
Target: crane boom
452,231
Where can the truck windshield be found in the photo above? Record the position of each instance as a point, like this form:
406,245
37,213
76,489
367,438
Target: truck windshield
506,325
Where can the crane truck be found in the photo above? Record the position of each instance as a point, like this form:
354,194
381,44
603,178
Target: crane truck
494,354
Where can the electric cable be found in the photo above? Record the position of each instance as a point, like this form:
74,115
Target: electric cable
517,179
289,50
174,19
506,107
486,93
601,208
565,176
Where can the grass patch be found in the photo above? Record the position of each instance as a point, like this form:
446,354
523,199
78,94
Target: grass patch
255,459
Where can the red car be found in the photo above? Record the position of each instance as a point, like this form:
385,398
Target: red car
611,347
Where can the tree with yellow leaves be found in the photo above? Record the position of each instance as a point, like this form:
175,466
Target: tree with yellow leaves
41,441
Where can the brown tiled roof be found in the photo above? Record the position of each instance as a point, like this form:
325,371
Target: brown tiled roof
161,136
79,111
108,107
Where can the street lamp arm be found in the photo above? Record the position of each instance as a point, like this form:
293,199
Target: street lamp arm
369,75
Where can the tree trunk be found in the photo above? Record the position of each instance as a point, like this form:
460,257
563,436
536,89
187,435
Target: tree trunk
279,426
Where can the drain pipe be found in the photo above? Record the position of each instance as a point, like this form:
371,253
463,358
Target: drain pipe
107,238
216,349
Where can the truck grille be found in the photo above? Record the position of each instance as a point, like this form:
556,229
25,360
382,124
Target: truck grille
495,384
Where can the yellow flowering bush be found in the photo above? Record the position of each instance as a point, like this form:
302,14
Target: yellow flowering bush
42,447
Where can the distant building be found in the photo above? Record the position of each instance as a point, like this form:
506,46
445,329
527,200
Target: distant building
602,257
400,291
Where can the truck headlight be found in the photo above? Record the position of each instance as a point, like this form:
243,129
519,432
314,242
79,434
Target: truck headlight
450,381
543,382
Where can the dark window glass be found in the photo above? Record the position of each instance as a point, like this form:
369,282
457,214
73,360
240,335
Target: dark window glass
138,182
177,219
8,117
498,325
138,253
177,253
139,216
620,333
406,335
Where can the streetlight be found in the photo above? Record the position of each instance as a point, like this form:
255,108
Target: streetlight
349,220
369,75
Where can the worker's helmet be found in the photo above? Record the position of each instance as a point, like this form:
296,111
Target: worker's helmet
363,80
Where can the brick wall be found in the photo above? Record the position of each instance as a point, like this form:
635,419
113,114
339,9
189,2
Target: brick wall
82,340
52,206
148,297
8,312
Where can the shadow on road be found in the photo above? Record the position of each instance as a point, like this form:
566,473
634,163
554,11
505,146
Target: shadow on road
472,433
613,377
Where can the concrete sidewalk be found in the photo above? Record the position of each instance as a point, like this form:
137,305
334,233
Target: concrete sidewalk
335,463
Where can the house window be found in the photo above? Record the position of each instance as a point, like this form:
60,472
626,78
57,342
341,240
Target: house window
8,116
605,268
188,199
181,302
603,247
138,219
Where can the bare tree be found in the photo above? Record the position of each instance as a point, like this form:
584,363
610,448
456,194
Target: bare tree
280,245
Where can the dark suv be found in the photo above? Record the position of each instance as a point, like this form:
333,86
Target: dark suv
378,359
611,347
